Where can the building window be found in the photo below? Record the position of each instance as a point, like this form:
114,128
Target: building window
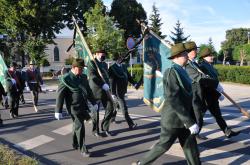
56,54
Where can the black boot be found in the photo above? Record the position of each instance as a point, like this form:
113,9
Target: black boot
1,122
229,133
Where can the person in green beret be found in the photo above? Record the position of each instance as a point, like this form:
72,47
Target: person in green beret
101,88
199,82
119,78
177,116
74,89
212,95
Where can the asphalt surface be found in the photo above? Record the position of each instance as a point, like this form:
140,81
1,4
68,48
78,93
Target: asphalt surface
39,135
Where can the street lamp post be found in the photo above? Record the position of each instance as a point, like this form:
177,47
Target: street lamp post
248,37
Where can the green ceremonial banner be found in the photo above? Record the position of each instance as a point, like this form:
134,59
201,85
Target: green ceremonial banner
81,47
3,69
155,53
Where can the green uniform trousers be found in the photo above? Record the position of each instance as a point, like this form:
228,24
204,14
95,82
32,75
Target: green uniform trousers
79,132
167,138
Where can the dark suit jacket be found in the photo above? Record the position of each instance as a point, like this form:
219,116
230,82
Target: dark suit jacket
200,82
211,94
119,78
95,80
177,111
75,91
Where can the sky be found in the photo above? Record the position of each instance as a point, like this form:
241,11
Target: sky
199,18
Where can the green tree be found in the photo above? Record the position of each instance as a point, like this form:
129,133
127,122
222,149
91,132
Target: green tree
234,38
178,35
242,53
125,13
155,21
28,20
101,32
76,8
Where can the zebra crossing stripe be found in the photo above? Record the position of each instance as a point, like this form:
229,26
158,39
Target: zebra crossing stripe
34,142
64,130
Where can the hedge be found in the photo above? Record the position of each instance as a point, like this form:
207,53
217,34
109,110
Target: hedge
236,74
232,73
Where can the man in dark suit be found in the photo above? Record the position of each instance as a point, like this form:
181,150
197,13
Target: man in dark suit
119,78
74,89
17,82
100,88
177,116
212,95
34,80
199,82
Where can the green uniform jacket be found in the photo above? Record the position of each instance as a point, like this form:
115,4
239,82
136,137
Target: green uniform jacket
200,81
177,111
95,81
208,69
119,78
75,90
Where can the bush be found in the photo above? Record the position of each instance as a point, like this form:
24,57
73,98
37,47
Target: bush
137,73
8,156
236,74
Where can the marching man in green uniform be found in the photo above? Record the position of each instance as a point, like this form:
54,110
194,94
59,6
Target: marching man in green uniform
74,89
177,116
212,95
3,99
100,89
199,82
119,78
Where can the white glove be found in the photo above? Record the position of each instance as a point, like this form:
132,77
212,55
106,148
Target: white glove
194,129
43,87
219,88
58,116
221,98
13,81
27,88
105,87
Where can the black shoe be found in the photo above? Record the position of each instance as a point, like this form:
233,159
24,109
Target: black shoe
232,133
85,154
23,101
1,122
97,135
199,137
133,126
75,147
107,133
6,106
136,163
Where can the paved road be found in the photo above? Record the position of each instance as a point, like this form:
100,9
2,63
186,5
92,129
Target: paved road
40,135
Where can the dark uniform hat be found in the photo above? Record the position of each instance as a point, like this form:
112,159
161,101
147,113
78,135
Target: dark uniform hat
177,49
13,64
101,51
190,45
78,63
117,56
206,52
